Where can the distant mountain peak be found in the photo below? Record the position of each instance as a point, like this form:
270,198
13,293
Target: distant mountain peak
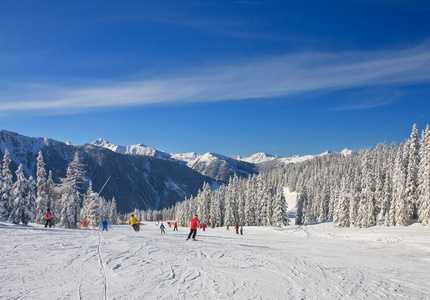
139,149
259,157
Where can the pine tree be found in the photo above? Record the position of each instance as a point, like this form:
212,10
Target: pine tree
280,217
6,193
367,212
229,212
71,196
112,212
3,203
400,213
424,179
241,203
250,204
24,205
302,198
412,173
343,205
204,203
355,198
53,195
42,189
387,200
215,210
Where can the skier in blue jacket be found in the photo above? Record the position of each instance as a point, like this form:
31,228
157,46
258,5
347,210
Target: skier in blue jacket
162,228
104,225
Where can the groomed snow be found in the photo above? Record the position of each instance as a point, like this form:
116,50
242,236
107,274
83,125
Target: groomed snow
296,262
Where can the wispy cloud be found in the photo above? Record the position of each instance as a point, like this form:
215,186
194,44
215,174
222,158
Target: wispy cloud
264,77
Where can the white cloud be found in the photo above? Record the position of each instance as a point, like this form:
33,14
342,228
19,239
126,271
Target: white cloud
264,77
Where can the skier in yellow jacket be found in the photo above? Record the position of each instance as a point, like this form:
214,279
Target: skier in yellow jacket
134,222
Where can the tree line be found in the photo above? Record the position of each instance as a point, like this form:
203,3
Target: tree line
388,185
252,201
26,200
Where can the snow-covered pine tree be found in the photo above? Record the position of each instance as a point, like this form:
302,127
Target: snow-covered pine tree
42,189
366,212
203,203
6,193
325,204
280,217
241,202
355,198
400,213
412,173
260,210
387,199
95,212
229,211
302,198
215,210
3,203
71,196
53,198
424,179
112,212
269,199
343,204
250,204
91,210
24,205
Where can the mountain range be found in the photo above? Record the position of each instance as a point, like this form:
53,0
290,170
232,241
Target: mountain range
140,176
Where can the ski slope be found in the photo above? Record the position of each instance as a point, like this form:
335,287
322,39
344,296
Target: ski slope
295,262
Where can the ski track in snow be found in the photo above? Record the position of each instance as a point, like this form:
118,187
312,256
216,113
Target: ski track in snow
295,262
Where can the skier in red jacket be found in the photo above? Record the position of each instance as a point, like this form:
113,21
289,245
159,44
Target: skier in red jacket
48,216
194,224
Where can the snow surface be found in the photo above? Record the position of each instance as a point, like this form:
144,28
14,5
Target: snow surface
295,262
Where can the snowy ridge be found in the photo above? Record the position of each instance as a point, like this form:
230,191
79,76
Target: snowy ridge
258,158
193,159
186,157
138,149
216,166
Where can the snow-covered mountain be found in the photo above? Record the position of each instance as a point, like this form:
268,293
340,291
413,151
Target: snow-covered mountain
216,166
141,177
139,149
258,158
137,181
220,167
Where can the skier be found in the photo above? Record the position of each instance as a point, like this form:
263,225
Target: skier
175,227
237,228
194,224
204,226
134,222
241,229
162,229
104,225
48,216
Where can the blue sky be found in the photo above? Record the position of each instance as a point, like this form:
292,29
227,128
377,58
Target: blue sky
230,77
